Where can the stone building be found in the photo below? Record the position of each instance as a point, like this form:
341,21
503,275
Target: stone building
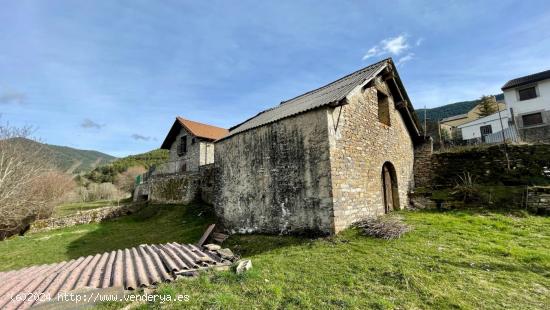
188,174
322,160
191,144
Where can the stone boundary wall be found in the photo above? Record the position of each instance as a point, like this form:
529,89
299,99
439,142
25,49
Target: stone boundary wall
84,217
538,199
181,188
174,188
423,152
486,165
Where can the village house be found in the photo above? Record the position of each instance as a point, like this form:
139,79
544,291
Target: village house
488,126
322,160
451,126
191,144
528,102
188,174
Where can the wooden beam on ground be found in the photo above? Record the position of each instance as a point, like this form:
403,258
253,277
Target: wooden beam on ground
206,235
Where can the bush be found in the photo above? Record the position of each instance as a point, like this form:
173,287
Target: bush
95,192
466,190
384,227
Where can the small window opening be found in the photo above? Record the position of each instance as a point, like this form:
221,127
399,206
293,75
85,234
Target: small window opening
383,108
182,148
532,119
527,93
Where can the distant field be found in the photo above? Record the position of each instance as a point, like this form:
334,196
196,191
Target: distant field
74,207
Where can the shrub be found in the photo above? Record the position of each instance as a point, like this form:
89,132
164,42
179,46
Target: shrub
466,190
384,227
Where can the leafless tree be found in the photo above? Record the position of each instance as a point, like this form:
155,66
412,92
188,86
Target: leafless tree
29,187
126,181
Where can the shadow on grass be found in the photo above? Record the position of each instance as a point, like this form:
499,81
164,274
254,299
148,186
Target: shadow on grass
153,224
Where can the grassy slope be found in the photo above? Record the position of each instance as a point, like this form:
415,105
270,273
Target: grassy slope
154,224
450,260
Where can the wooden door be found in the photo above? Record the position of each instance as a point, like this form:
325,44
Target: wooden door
388,189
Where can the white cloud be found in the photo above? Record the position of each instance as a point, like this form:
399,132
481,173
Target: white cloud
405,58
394,46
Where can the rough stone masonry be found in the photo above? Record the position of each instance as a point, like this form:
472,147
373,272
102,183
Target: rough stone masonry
315,163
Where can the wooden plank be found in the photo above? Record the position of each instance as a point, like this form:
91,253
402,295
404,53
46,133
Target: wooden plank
206,235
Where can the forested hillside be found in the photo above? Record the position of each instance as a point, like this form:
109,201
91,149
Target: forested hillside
70,160
108,173
452,109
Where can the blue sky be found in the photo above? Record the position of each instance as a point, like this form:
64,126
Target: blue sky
112,75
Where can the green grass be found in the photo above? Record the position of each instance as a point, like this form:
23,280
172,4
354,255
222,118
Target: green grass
153,224
74,207
451,260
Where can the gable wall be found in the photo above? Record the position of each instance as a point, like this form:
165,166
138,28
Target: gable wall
192,157
359,146
275,178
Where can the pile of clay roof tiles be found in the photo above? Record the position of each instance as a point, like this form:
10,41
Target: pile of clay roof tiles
140,266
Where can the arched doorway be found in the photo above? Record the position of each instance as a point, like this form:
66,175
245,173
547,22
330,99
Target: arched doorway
389,188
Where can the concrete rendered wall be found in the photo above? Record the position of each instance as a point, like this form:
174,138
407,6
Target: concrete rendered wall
275,178
359,146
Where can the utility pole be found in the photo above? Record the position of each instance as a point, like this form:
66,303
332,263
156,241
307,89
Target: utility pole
425,128
503,138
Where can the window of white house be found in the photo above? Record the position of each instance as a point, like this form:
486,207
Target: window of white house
383,108
532,119
527,93
182,148
486,130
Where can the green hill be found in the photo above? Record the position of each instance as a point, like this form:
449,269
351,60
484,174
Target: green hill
69,159
452,109
107,173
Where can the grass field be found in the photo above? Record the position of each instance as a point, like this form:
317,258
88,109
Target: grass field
74,207
453,259
154,224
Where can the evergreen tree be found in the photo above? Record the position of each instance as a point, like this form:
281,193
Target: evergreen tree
487,106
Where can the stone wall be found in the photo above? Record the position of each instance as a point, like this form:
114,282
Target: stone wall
538,134
488,165
84,217
180,188
423,163
276,178
538,200
360,144
191,158
207,183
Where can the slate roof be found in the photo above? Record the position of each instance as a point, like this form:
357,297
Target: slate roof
532,78
329,94
132,268
197,129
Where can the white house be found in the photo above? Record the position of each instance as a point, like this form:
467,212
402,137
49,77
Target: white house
528,101
483,126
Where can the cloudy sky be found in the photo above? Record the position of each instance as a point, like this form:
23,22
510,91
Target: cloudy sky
112,75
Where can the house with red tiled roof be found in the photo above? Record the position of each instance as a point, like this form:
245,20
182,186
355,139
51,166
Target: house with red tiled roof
191,144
